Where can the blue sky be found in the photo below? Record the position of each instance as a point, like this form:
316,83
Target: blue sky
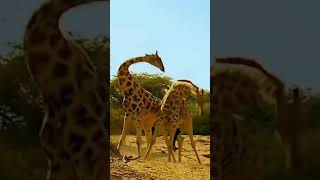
179,30
282,35
88,21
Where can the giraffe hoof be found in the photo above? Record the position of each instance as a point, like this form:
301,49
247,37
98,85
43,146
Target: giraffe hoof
175,148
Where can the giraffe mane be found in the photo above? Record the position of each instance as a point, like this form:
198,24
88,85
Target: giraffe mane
251,63
188,81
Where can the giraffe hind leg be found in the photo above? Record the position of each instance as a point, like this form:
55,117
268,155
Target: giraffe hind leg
170,147
194,147
152,142
189,131
60,170
175,139
180,142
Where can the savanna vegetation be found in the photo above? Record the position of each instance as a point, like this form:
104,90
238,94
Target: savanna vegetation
156,84
261,123
21,111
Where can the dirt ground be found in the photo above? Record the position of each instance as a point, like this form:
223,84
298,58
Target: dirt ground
158,167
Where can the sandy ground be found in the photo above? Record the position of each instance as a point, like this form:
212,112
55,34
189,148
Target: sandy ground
158,167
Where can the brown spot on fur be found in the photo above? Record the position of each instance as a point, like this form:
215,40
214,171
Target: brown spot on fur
67,94
64,52
76,141
94,103
81,74
64,155
37,37
122,80
56,167
54,39
37,60
80,111
88,153
60,70
98,136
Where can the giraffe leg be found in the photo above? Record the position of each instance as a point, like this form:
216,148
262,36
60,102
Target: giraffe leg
170,146
167,141
148,134
124,130
189,130
287,156
194,146
180,143
153,141
139,137
60,169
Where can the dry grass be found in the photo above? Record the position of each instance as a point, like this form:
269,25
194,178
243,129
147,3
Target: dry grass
157,166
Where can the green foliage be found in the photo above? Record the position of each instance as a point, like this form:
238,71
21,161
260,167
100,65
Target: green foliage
21,111
20,103
156,84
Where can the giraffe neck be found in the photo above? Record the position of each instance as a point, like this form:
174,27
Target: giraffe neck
49,53
253,64
178,91
47,18
126,79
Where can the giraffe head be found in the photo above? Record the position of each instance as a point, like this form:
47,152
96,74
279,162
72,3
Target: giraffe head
200,100
155,60
196,91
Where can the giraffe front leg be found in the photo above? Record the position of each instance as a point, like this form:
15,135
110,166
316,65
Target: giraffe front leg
148,133
124,130
194,147
139,137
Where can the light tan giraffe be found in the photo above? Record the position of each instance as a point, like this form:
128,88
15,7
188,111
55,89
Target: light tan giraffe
187,117
240,85
171,117
138,104
74,130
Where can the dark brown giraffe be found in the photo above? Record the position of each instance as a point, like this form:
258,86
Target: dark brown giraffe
74,130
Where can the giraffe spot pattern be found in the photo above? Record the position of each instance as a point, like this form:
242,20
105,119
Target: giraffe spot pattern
67,94
76,142
60,70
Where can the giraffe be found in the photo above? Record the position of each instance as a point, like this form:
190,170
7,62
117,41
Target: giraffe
241,84
139,104
74,129
172,115
290,125
186,116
